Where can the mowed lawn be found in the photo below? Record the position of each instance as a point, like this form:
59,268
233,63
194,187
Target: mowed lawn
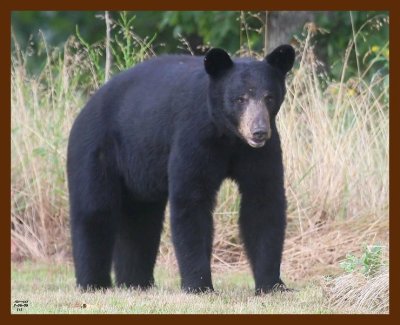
49,289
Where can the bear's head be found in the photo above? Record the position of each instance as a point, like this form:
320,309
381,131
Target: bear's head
245,95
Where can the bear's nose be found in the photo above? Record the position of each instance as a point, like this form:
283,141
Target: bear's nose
260,134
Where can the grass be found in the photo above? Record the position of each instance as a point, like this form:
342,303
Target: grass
50,289
364,294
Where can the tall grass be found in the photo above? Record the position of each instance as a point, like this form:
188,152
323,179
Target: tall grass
335,145
43,109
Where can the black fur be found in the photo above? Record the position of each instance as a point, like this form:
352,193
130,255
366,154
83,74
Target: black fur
164,130
216,62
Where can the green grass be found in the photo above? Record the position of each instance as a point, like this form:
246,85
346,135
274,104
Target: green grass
50,289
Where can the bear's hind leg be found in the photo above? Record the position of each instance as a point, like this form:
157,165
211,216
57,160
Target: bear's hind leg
93,239
137,242
94,206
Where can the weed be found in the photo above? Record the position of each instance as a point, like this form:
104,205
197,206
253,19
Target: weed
368,264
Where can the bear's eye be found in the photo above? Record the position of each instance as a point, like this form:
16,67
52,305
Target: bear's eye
269,99
240,100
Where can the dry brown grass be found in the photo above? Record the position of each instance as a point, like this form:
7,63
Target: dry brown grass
357,293
43,108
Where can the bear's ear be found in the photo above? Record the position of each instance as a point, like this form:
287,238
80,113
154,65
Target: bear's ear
282,58
217,61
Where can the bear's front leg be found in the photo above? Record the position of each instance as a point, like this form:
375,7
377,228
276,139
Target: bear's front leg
192,229
193,184
262,225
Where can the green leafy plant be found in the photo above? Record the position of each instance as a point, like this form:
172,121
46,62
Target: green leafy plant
127,47
94,53
368,264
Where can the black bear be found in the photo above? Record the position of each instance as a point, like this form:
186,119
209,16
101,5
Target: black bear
173,128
